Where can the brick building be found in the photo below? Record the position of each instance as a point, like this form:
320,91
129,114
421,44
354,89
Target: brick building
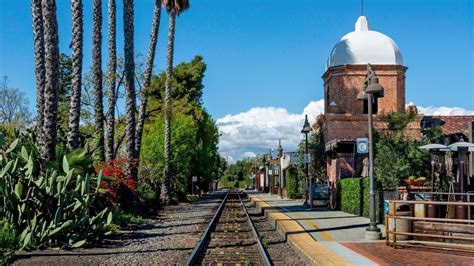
345,118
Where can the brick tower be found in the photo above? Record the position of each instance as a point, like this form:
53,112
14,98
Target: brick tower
345,118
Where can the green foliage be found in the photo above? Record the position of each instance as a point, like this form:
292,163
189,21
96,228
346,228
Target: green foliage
52,207
187,81
294,185
397,157
365,186
8,241
434,134
124,219
353,195
317,167
194,135
349,193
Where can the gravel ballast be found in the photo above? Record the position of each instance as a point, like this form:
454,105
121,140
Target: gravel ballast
280,252
168,239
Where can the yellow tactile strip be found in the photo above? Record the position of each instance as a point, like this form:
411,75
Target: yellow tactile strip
297,236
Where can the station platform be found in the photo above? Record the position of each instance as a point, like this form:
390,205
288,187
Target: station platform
326,237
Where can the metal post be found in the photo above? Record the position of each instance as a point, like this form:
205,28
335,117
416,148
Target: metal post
461,172
373,224
432,172
308,180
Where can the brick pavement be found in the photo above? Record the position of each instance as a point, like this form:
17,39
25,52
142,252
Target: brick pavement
384,255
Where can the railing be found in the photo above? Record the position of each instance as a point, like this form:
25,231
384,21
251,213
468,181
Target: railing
468,195
454,230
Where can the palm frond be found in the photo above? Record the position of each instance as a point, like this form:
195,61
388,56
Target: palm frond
177,6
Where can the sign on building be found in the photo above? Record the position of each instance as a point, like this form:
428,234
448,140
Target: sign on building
307,158
362,145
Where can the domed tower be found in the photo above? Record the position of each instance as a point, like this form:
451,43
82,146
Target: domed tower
345,118
347,66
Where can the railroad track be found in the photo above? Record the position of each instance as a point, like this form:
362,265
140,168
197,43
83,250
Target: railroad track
230,238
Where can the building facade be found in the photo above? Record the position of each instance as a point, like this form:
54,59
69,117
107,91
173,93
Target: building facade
345,118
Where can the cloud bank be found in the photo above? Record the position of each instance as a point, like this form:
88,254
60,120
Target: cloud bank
258,130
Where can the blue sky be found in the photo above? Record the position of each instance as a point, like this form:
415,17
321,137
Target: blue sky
272,53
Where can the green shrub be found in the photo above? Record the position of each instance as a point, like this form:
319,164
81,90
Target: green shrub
349,194
365,186
353,195
293,186
123,218
8,241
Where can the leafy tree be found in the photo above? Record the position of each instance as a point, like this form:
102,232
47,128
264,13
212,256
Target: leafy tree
194,134
317,167
397,157
13,106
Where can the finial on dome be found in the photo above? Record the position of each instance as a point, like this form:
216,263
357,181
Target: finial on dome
362,24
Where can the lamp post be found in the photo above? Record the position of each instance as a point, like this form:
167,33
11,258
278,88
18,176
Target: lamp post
309,192
371,87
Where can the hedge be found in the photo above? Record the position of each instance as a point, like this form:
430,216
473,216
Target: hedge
293,186
353,195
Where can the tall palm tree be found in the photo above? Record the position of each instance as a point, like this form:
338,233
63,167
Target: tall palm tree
77,42
148,72
110,129
130,95
174,7
97,70
51,79
38,38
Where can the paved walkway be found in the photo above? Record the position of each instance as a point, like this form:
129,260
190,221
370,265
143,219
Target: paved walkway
337,238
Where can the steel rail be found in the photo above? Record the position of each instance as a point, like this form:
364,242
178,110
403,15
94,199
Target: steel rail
194,255
261,249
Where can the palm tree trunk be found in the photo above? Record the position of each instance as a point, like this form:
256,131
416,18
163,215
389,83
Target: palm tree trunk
129,86
51,79
38,38
77,42
110,129
97,69
147,76
166,193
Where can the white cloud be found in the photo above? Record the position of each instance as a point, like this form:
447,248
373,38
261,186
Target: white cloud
259,129
443,110
249,154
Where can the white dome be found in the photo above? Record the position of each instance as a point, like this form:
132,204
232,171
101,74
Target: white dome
363,46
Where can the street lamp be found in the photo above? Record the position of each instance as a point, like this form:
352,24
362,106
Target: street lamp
309,192
371,87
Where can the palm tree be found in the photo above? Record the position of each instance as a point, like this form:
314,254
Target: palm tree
174,7
130,100
51,87
97,70
148,72
110,129
77,40
38,37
